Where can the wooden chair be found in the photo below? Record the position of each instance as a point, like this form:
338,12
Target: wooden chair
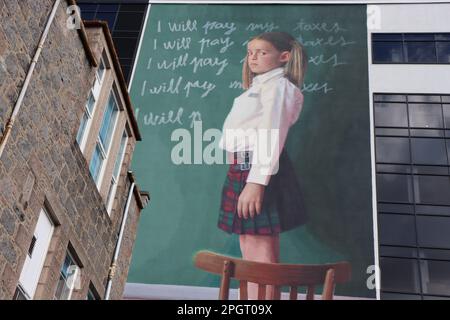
276,274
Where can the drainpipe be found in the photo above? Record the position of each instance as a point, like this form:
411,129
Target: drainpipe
112,269
18,104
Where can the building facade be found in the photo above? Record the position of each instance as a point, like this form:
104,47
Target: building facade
69,203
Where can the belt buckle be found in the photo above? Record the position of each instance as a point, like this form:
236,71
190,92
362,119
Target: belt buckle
244,166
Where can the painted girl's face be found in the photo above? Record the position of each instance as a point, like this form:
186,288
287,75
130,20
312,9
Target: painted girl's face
262,56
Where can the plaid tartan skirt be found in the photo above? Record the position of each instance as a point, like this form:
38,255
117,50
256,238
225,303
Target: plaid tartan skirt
283,205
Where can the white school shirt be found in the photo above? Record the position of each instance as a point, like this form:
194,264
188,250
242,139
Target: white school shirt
272,102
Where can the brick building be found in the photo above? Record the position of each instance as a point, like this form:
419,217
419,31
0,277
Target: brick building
69,206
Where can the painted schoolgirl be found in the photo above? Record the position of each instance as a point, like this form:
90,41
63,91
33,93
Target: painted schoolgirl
261,197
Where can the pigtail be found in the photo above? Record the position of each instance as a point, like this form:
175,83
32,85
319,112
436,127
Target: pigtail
295,68
247,74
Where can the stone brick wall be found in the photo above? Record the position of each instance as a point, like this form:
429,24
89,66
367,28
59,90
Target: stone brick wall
42,165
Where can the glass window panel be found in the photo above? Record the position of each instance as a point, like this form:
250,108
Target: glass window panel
400,275
393,150
436,298
442,36
109,17
428,151
125,46
389,97
424,209
120,155
108,122
448,149
393,168
435,277
395,208
394,188
421,52
101,70
96,162
397,229
129,21
87,15
391,115
108,7
82,128
425,115
446,109
433,232
424,98
399,252
430,170
419,36
90,103
125,34
391,132
445,99
133,7
443,52
432,190
387,52
87,7
435,254
427,133
399,296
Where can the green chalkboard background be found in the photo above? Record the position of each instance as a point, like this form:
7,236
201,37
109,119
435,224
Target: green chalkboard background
329,145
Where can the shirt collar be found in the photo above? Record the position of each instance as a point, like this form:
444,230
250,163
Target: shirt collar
261,78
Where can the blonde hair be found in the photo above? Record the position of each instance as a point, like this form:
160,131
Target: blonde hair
294,69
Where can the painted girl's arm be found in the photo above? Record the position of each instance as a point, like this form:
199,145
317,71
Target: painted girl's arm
282,104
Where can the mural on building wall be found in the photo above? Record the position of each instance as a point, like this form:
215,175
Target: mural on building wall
188,72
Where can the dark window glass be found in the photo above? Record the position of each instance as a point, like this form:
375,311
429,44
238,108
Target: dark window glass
399,296
435,277
397,230
433,232
419,36
108,8
129,21
436,254
425,115
427,133
87,7
393,150
394,188
446,108
387,37
396,208
421,52
443,52
400,275
389,97
391,115
393,168
442,36
391,132
400,252
133,7
428,151
125,46
87,15
424,98
109,17
432,190
388,52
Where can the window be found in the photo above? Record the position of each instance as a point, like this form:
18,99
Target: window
69,278
431,48
92,293
34,261
116,171
412,146
88,114
104,138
